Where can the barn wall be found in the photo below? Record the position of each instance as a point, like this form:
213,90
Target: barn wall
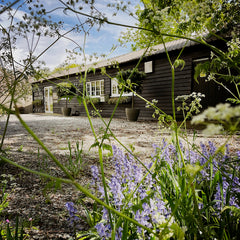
156,85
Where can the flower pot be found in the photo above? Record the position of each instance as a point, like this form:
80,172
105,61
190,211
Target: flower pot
132,114
66,111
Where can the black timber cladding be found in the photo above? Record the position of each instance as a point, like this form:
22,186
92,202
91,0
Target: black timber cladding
156,85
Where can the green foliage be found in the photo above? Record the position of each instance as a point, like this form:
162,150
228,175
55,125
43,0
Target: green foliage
6,231
130,79
162,20
3,199
65,89
124,99
190,105
223,117
63,67
92,100
20,149
223,68
6,180
75,160
16,233
178,63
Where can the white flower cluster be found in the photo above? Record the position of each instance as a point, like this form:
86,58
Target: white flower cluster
193,106
224,114
234,47
153,103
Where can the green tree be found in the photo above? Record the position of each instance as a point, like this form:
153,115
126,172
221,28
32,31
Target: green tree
186,18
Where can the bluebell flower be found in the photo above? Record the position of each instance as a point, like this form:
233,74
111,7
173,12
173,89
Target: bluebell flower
192,157
95,173
138,174
101,191
142,192
205,155
234,202
227,153
218,198
142,218
105,214
238,155
212,147
118,235
72,212
103,230
116,190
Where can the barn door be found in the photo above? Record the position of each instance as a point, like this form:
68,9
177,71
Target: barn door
48,99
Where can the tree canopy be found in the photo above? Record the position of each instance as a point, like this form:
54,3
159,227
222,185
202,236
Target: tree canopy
160,20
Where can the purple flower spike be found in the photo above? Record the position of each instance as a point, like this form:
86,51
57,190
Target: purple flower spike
95,173
72,212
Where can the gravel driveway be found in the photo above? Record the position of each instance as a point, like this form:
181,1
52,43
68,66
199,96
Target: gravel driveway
55,131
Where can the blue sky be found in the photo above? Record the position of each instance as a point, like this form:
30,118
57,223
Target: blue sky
99,42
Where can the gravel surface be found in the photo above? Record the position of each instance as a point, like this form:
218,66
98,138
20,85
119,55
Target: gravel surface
34,197
55,131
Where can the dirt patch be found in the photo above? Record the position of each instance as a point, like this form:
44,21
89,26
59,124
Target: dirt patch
41,200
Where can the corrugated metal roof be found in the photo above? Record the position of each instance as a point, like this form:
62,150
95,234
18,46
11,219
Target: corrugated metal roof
170,46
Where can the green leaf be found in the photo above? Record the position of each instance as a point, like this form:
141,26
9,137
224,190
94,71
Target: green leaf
125,230
178,232
201,69
234,210
92,69
107,147
179,62
192,170
16,228
9,235
96,144
79,99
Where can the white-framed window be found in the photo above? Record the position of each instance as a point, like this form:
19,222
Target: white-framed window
95,88
115,92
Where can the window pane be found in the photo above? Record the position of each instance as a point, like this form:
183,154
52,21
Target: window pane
114,87
102,87
114,90
88,88
97,88
93,89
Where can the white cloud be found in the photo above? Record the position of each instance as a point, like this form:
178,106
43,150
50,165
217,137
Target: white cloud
100,42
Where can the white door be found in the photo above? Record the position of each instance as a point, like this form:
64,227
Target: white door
48,99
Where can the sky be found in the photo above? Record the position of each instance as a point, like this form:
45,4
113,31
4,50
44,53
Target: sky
99,42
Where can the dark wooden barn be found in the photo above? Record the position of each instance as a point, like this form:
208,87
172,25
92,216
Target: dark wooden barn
156,83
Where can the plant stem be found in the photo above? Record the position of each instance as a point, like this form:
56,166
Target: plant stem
132,99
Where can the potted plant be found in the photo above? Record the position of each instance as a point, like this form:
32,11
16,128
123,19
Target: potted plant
133,80
67,91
